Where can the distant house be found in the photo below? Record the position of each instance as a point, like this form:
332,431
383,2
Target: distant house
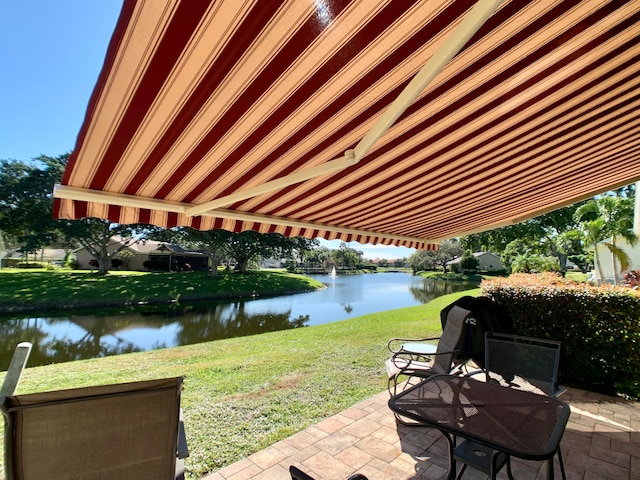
148,255
55,256
489,262
272,263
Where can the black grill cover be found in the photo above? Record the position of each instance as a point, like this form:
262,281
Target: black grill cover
489,316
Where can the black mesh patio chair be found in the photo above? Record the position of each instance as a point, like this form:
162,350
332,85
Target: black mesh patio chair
123,431
526,363
297,474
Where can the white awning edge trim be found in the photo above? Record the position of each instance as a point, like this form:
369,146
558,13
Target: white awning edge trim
456,40
97,196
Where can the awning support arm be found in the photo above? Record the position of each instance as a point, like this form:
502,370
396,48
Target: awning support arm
456,40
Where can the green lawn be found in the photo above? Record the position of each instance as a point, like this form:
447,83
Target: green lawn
44,289
243,394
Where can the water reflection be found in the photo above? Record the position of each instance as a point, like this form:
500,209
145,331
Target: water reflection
432,288
67,337
77,337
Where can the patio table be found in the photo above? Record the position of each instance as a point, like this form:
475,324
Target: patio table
505,421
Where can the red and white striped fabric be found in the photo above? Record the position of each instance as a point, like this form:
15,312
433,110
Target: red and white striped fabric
203,107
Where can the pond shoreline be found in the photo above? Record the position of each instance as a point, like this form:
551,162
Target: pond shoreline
34,291
40,307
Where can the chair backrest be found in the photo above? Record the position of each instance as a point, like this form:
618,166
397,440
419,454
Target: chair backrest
123,431
450,346
535,360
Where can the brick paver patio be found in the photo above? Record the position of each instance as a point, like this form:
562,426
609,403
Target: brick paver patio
602,441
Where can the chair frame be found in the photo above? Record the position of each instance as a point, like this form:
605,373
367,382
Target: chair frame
297,474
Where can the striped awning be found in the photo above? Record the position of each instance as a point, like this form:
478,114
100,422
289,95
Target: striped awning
393,122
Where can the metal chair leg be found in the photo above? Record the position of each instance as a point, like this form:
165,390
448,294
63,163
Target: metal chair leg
509,472
564,476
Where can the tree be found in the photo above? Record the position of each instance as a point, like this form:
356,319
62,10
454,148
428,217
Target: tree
102,239
449,250
26,200
517,249
422,260
604,220
529,231
430,259
317,257
213,242
249,245
568,245
496,240
468,262
529,262
346,256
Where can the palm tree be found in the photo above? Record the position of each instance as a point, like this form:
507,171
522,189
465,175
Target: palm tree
604,220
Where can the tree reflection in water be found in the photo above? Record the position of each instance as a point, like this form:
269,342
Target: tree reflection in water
228,321
433,288
107,335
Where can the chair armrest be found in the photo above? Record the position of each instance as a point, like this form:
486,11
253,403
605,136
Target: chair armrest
18,362
404,340
409,363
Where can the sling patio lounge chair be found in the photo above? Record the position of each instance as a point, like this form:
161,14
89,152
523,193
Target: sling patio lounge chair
416,358
122,431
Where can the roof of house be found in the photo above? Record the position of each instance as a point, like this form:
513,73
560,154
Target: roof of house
153,246
475,254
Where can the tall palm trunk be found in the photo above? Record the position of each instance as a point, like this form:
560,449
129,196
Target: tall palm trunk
614,262
598,264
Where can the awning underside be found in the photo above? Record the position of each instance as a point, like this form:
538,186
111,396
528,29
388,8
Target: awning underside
241,115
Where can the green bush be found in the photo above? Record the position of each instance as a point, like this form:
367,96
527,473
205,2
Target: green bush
599,327
71,263
32,265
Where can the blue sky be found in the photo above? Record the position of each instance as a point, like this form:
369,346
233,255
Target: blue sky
51,52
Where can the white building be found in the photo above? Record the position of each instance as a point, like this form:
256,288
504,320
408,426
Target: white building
606,259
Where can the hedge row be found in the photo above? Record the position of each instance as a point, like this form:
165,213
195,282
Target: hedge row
599,327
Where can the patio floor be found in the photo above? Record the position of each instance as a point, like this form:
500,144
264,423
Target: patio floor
602,441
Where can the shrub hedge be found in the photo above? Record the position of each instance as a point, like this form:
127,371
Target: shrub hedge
599,327
46,265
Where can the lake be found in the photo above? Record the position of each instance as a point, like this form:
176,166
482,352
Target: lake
81,335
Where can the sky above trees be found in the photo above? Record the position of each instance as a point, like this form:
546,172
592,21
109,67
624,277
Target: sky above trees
50,56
